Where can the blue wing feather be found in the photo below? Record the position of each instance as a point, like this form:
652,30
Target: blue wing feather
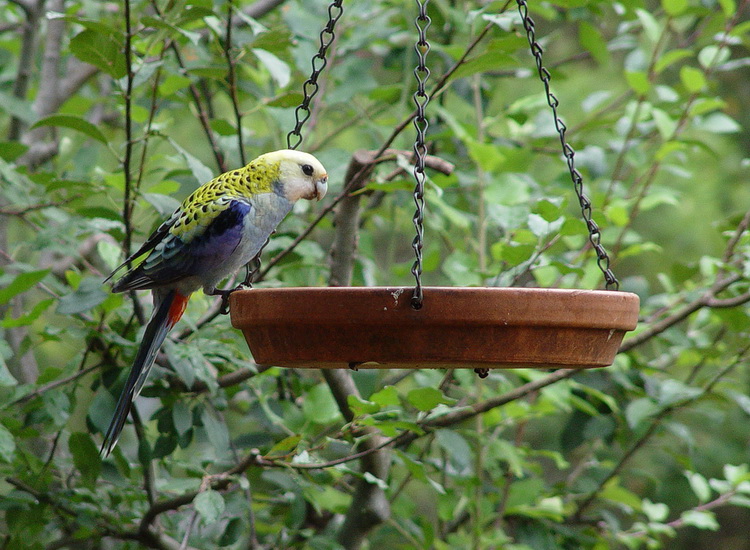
172,259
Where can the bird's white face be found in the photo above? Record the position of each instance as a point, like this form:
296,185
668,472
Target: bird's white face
303,175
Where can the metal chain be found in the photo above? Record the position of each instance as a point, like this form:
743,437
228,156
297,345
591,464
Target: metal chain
319,62
421,99
602,259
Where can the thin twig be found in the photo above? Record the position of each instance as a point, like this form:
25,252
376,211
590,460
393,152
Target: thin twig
56,384
34,207
678,523
127,206
232,78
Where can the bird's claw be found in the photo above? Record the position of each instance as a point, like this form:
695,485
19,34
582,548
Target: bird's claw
224,310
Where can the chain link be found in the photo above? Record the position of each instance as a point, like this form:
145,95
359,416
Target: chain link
319,62
421,99
595,237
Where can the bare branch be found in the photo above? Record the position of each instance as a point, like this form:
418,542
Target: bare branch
32,10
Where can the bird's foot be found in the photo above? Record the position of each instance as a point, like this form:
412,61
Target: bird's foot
225,293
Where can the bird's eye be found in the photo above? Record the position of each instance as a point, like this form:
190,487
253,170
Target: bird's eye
307,169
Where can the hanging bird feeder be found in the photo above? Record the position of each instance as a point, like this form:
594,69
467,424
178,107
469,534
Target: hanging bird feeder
437,327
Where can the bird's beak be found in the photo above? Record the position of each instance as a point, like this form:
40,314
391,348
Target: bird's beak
321,186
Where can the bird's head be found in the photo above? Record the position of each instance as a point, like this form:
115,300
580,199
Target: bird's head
300,174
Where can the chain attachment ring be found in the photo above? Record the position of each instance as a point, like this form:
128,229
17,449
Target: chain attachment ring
595,237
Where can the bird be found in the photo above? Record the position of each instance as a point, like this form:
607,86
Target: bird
220,227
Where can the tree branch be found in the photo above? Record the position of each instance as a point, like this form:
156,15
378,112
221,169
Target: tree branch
32,10
679,315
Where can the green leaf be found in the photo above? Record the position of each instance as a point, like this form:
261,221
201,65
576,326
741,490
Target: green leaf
706,105
11,150
27,318
223,127
101,49
256,27
319,405
386,397
693,79
232,532
638,81
6,378
650,25
328,498
673,391
700,519
173,83
361,407
86,297
616,493
289,99
618,214
718,123
286,445
487,156
375,480
21,283
671,57
728,6
461,269
456,447
74,123
217,432
457,217
17,108
163,204
85,457
182,417
593,41
210,505
674,7
655,511
425,399
200,171
659,198
736,474
699,485
664,123
194,37
279,70
7,445
639,410
712,55
488,61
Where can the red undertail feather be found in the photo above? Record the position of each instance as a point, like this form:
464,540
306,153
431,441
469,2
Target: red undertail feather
177,308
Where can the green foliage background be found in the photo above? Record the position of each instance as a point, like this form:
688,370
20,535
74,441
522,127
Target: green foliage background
649,453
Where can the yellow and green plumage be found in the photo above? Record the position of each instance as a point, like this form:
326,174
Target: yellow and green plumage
219,228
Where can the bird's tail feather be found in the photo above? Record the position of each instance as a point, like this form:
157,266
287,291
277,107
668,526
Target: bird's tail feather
168,308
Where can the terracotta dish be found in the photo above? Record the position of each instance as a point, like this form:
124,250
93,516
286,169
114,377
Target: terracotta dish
376,327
